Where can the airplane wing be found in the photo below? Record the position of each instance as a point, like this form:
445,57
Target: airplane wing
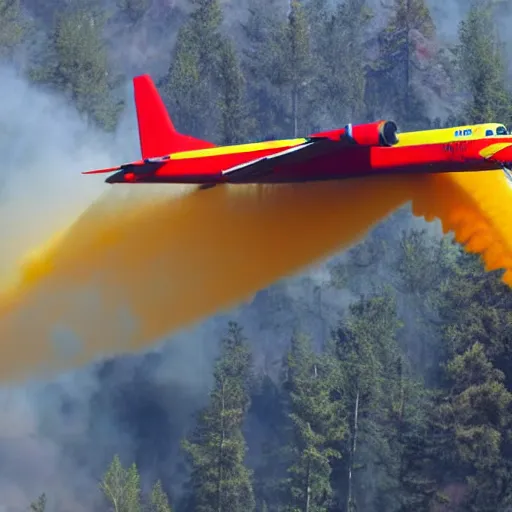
312,148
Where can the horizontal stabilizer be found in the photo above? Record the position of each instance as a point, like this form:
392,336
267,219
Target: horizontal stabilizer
141,166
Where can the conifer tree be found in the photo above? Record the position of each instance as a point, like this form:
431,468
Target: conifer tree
204,83
39,505
216,449
158,500
13,26
366,349
477,422
482,69
77,64
393,73
185,87
262,58
121,487
342,69
317,424
294,69
235,125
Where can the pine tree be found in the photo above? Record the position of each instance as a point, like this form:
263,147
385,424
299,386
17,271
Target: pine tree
366,347
295,70
219,480
261,60
340,47
185,88
472,420
477,414
482,68
269,411
76,63
159,501
317,425
39,505
121,487
410,481
235,124
420,255
13,26
393,72
192,81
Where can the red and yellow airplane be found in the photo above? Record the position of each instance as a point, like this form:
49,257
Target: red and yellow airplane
353,151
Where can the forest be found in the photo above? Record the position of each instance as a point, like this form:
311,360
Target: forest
399,399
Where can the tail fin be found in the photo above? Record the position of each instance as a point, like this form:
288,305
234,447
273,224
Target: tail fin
157,134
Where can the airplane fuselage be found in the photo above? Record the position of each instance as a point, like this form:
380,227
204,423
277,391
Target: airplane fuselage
206,166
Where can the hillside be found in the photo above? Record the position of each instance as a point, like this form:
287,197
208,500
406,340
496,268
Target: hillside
376,381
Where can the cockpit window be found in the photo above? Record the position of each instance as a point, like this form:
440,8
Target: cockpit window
489,133
501,130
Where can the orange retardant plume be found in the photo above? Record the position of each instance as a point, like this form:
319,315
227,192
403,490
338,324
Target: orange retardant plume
133,270
477,208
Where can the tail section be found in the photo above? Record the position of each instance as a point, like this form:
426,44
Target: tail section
157,134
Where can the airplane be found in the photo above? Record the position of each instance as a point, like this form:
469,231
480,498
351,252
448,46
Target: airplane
358,150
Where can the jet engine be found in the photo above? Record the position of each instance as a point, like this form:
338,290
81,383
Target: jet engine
380,133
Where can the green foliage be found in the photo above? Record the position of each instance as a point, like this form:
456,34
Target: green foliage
261,61
159,501
234,126
121,487
40,504
216,449
478,415
77,64
342,81
317,425
294,65
13,26
204,84
482,69
186,90
394,65
424,262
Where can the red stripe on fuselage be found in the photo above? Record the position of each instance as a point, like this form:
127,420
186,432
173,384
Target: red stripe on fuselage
341,163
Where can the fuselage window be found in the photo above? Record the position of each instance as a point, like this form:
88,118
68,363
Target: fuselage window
501,130
489,133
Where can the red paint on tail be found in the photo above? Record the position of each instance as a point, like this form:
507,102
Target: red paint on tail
157,134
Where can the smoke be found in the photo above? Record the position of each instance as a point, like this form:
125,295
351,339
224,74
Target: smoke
44,147
58,437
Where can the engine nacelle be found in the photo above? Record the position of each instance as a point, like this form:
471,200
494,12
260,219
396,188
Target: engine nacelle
380,133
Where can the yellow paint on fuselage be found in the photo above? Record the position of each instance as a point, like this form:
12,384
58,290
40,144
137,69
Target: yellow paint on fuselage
493,149
436,136
238,148
443,135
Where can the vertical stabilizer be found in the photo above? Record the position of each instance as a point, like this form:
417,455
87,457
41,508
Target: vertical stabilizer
157,134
